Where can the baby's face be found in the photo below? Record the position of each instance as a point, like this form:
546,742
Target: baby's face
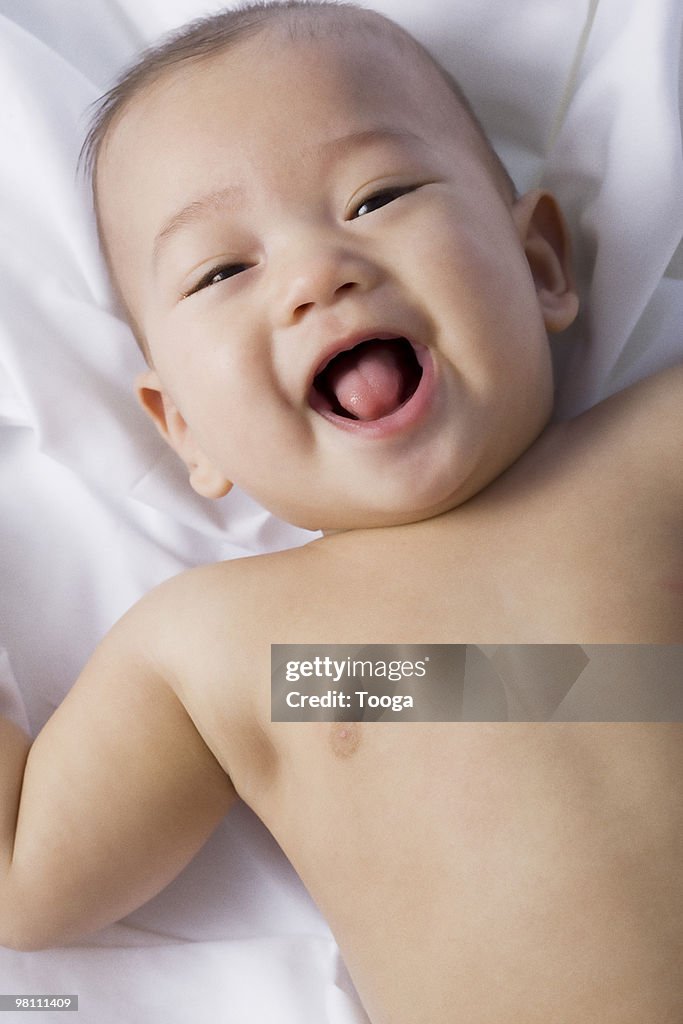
335,295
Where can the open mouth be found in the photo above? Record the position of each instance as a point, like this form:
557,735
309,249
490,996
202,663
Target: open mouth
369,381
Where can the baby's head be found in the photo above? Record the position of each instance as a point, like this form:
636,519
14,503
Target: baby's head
343,303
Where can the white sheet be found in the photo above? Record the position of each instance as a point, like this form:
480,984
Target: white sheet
580,96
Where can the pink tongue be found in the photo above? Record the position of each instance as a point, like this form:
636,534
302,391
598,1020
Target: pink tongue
368,380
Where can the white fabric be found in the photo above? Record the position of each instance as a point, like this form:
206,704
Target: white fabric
580,96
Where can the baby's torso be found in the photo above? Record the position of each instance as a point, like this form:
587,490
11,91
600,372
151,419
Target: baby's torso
484,872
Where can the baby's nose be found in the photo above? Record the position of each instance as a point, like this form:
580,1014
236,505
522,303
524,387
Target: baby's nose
318,276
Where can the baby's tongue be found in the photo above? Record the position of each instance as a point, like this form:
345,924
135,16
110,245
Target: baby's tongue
368,381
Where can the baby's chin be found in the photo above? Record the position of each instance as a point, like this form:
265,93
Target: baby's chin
418,490
373,519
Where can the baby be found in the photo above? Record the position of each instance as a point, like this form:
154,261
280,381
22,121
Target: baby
344,306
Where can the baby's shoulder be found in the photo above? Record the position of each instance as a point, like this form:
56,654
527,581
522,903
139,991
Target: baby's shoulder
196,617
207,594
207,633
654,406
638,431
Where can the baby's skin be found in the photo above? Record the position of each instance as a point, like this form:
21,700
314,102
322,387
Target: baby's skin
483,872
489,873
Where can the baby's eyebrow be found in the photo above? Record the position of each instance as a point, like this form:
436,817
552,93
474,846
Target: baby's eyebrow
230,196
365,137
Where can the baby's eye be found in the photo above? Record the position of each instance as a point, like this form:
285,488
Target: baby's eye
216,275
381,198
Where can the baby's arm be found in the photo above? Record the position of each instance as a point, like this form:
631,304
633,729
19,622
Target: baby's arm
118,793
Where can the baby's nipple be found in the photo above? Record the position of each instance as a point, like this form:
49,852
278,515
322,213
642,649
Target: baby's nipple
344,738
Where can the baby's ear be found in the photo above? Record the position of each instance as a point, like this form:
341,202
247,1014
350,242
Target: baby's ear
205,478
545,237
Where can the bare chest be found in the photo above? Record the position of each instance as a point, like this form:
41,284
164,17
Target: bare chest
545,856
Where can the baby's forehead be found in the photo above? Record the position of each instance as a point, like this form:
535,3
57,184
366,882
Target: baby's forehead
395,57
